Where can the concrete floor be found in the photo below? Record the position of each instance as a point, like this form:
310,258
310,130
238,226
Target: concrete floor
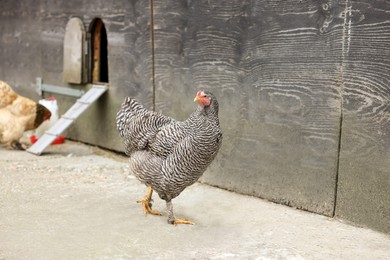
77,202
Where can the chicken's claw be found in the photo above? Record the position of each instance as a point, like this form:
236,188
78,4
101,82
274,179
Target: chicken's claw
182,221
147,205
15,145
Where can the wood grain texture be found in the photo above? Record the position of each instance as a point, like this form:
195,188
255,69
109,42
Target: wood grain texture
32,35
282,70
275,67
364,178
19,44
130,68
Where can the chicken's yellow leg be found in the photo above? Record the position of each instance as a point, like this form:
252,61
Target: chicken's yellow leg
146,203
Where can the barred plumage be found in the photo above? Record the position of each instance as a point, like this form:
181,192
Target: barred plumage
169,155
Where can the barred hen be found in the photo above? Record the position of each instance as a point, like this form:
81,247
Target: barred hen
168,155
17,115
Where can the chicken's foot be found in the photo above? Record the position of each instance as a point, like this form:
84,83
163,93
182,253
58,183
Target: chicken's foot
15,145
146,203
171,217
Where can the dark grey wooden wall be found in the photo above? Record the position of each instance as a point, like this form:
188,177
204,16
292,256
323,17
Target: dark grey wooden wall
276,67
304,97
32,35
302,84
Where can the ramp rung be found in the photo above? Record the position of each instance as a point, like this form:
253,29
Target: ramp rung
49,133
83,102
68,118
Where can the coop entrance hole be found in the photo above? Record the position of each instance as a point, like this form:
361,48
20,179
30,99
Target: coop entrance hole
99,57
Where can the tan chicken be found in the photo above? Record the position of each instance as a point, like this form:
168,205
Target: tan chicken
17,115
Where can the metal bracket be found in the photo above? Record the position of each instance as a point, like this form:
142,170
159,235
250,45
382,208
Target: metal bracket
40,87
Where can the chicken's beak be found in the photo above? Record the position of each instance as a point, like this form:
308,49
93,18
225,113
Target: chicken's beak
198,97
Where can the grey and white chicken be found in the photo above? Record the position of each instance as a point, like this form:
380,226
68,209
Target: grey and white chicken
168,155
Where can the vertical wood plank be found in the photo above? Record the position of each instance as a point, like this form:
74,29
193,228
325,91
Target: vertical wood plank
364,178
275,67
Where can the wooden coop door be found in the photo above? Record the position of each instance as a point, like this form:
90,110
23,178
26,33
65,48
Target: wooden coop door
74,58
99,59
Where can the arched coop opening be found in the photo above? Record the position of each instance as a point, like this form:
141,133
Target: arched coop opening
99,52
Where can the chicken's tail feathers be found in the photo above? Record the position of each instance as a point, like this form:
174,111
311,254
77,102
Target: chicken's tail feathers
7,94
134,116
137,125
130,107
131,104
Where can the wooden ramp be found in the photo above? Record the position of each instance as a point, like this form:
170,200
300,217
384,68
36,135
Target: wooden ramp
67,119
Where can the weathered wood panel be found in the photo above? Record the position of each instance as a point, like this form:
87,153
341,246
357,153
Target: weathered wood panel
129,58
19,44
364,178
275,66
32,45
